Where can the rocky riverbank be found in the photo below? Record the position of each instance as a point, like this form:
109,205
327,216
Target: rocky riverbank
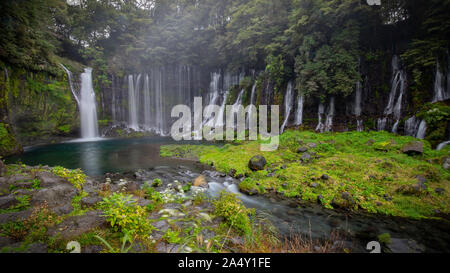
43,208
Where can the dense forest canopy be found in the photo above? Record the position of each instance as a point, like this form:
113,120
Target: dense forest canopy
319,42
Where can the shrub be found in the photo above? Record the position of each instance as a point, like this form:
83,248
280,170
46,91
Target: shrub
157,182
125,215
234,212
76,177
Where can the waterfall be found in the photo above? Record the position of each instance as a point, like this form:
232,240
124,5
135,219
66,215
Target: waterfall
72,88
442,145
381,124
159,109
439,93
330,115
394,106
320,126
88,109
220,121
357,107
239,98
147,104
411,126
299,114
288,103
213,95
133,100
422,130
252,96
86,103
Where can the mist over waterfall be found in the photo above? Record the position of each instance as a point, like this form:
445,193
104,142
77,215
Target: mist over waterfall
288,104
86,103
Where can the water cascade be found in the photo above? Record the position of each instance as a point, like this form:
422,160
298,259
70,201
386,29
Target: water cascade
86,103
299,114
133,99
357,107
442,145
288,103
422,130
439,92
398,88
411,126
320,126
143,102
330,115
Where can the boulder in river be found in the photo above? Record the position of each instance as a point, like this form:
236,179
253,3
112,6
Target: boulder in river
257,163
414,147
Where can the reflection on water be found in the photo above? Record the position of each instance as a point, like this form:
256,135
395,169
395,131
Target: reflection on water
98,157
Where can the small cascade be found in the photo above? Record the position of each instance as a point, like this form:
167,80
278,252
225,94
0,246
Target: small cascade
299,114
439,92
442,145
411,126
220,117
398,88
288,103
147,104
330,115
252,96
88,108
213,95
86,103
252,102
381,124
357,107
320,126
239,99
70,78
422,130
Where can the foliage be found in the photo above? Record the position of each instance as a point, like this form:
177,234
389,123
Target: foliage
234,212
8,143
23,204
123,249
76,177
125,215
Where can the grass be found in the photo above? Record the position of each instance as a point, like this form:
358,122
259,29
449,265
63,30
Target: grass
369,166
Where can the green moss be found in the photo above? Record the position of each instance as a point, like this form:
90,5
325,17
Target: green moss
384,238
366,172
8,143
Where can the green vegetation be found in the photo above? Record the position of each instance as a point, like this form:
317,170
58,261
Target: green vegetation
8,143
368,168
76,177
125,215
437,116
234,212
